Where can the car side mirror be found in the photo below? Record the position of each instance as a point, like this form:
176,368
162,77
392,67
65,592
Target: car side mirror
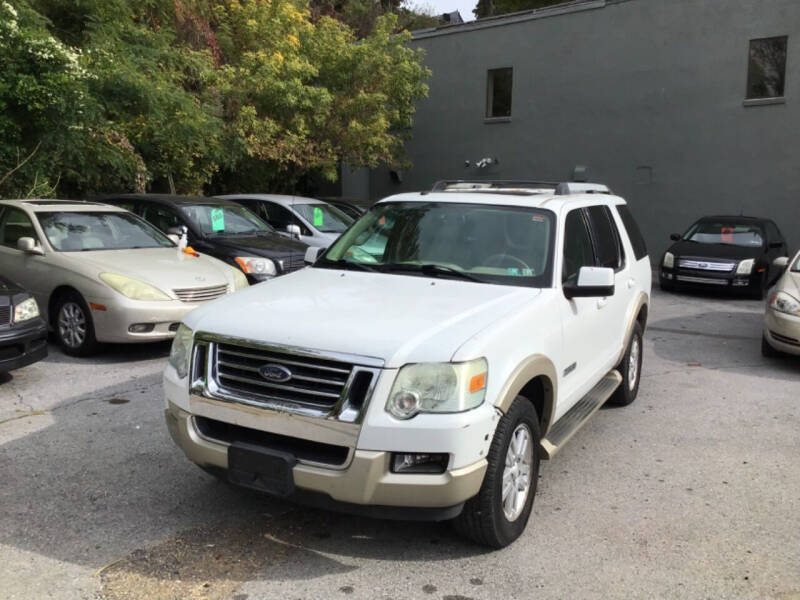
781,262
592,282
312,254
176,239
293,229
177,230
29,246
776,244
674,236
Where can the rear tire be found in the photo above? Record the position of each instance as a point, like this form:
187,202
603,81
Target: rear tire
498,514
630,367
73,325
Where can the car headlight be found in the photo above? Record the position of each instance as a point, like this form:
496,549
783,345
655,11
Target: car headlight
256,265
181,352
746,266
785,303
438,388
239,280
669,260
25,310
133,288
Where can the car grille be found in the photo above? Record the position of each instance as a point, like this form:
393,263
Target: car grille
706,280
5,315
293,262
201,294
312,382
702,264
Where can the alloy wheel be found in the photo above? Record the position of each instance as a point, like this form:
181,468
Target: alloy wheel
517,472
72,325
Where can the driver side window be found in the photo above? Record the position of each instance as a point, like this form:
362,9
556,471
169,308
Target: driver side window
577,246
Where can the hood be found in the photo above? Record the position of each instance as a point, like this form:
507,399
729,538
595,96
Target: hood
260,245
398,318
790,283
8,287
730,252
165,268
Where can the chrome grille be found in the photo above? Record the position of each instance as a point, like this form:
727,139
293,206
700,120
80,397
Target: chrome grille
312,381
5,315
293,262
706,280
702,264
201,294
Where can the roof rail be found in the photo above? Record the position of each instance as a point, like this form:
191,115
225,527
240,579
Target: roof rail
519,186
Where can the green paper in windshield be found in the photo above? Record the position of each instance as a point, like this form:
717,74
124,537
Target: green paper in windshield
217,219
318,217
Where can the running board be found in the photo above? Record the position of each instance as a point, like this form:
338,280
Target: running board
576,417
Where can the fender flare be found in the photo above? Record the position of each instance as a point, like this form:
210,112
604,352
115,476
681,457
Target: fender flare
536,365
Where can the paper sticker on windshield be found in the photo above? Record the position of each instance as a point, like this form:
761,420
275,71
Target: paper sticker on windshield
318,218
513,271
527,272
537,218
217,219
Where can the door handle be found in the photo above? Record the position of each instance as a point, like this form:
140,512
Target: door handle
602,302
631,282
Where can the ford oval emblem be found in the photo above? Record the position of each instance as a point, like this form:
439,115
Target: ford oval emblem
275,373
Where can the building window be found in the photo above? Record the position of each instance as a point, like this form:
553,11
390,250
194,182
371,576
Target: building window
766,71
498,93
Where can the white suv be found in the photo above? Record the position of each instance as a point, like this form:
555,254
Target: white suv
427,360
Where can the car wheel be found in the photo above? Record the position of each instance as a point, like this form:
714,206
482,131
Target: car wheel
73,325
631,370
498,514
767,350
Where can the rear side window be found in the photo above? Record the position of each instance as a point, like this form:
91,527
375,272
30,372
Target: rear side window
577,246
606,238
634,234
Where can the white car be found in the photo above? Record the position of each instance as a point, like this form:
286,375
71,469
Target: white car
101,274
782,316
427,379
314,222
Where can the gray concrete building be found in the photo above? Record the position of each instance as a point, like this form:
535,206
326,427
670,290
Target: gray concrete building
684,107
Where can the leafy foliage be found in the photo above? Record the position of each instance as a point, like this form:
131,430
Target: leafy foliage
108,95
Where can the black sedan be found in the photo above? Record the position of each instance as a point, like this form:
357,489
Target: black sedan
724,253
23,333
219,228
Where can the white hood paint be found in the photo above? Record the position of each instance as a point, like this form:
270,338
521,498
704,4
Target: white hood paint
398,318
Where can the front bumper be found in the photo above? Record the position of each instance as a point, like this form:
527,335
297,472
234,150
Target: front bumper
709,280
23,345
782,331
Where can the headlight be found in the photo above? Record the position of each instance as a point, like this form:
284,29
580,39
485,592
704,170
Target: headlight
256,265
133,288
239,280
745,267
669,260
783,302
181,352
27,309
438,387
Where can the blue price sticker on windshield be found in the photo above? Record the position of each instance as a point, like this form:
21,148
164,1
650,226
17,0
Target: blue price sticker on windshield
513,271
217,219
318,217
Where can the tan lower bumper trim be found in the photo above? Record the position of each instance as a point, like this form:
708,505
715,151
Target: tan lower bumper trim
366,481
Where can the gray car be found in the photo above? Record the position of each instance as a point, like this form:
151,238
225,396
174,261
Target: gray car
101,274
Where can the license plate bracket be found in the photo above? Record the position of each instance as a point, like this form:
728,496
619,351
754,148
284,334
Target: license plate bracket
261,469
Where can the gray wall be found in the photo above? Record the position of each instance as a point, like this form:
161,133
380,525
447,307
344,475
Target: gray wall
630,89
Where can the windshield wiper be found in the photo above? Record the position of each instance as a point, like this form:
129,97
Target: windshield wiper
355,266
432,270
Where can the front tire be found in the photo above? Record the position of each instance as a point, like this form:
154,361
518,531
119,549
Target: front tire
74,326
498,514
631,370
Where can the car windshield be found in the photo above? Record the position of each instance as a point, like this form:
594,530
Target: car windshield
214,219
324,217
81,231
491,244
796,266
728,233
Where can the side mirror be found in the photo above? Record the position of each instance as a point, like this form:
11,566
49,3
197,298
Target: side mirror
176,239
781,262
28,245
674,236
592,282
312,254
293,230
776,244
177,230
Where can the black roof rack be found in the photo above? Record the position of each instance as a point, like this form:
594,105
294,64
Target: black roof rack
518,186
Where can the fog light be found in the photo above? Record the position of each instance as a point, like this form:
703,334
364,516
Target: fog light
666,275
141,327
741,282
419,463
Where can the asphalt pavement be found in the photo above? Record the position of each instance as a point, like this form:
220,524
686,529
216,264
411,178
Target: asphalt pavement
693,491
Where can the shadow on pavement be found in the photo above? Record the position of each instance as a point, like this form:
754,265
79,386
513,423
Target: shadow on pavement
112,353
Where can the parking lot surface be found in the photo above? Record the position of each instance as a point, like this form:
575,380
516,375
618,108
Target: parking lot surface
693,491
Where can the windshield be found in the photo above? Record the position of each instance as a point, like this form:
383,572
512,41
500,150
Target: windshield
324,217
721,232
79,231
796,266
491,244
213,219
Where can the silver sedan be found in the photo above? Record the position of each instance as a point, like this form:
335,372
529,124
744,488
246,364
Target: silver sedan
782,317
